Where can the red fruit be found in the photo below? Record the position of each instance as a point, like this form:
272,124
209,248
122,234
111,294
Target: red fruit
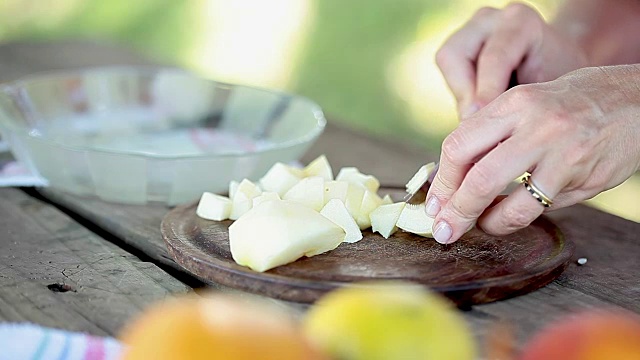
588,335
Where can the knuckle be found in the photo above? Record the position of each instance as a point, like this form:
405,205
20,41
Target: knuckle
522,95
444,186
578,154
558,124
453,148
515,218
484,12
517,10
494,56
480,182
443,56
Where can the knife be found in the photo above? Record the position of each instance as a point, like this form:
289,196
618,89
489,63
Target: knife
419,196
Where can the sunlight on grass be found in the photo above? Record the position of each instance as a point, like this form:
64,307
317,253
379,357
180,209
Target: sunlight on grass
248,41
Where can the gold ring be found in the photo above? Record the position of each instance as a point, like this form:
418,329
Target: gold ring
536,193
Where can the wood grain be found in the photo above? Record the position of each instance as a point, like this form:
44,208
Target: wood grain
609,279
477,269
56,273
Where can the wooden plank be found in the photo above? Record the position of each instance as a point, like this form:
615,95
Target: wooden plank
528,314
55,272
136,225
601,282
611,246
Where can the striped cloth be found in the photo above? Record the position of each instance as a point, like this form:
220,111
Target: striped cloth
33,342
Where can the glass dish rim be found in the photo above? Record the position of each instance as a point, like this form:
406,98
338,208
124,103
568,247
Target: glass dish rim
6,88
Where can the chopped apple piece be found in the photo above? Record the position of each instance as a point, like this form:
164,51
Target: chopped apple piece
233,188
309,192
353,175
278,232
267,195
335,211
248,188
335,190
280,178
214,207
353,201
241,203
243,198
386,200
385,217
319,167
419,178
370,202
414,219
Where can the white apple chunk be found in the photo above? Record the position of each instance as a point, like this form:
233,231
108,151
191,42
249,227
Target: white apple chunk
414,219
280,178
265,196
240,204
247,187
353,175
419,178
335,190
278,232
386,200
335,211
214,207
233,188
353,201
385,217
309,192
319,167
370,202
243,198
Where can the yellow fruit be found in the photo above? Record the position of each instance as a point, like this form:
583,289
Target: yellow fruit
388,321
216,327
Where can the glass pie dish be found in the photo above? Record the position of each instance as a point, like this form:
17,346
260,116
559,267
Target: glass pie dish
145,134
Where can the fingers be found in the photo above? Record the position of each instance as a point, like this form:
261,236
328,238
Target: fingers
457,57
478,60
512,39
520,208
482,184
460,150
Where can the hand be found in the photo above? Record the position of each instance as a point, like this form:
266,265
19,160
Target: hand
577,136
477,61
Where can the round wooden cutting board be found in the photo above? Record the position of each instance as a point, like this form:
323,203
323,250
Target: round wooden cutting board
478,268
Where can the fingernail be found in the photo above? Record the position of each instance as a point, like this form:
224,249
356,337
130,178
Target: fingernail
470,110
443,233
433,206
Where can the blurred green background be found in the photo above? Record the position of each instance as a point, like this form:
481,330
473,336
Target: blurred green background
370,64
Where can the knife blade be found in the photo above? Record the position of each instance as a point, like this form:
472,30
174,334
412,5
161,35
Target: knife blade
420,195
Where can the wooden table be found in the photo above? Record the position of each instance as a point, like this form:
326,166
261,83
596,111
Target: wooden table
86,265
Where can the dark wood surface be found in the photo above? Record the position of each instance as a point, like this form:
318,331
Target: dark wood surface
611,277
477,269
55,272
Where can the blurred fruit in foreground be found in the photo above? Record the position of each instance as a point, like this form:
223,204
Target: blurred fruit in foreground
216,327
388,321
588,335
